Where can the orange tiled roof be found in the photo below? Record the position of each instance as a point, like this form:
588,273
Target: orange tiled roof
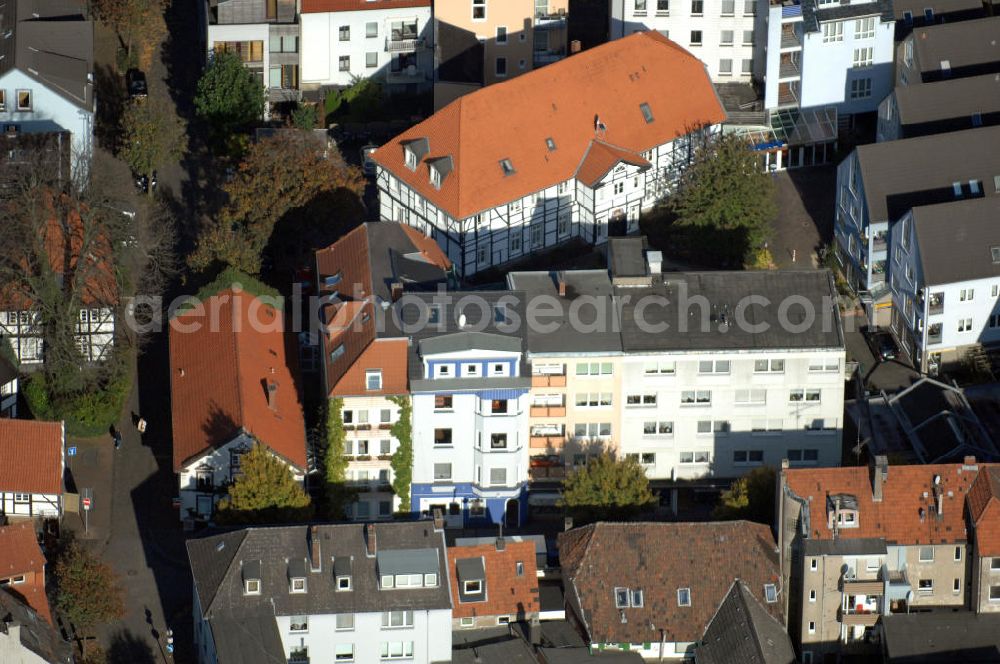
506,592
389,355
317,6
31,456
897,518
561,101
218,379
601,158
984,510
23,556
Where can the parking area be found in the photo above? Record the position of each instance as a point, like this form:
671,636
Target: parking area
888,375
805,199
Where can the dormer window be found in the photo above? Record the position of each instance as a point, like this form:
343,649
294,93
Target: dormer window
388,581
410,158
435,177
473,587
251,587
343,583
507,166
847,519
342,567
373,380
298,585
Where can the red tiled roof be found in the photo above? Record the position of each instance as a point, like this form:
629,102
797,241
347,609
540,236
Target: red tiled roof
984,510
506,592
317,6
659,559
389,355
897,518
218,378
31,456
561,101
23,556
601,158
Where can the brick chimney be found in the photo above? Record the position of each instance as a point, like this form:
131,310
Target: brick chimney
879,473
272,394
575,46
370,540
315,551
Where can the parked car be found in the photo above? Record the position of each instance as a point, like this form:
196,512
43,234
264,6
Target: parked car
367,163
135,82
882,344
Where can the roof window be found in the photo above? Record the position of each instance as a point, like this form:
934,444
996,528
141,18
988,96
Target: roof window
770,593
550,144
647,112
683,597
507,166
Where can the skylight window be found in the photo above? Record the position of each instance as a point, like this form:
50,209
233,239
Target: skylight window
770,593
683,597
507,166
550,144
647,112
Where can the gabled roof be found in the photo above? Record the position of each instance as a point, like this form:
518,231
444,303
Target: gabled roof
907,513
53,43
601,157
23,555
743,632
219,563
593,94
387,355
955,239
984,511
31,456
505,592
660,559
963,44
947,100
220,372
318,6
37,634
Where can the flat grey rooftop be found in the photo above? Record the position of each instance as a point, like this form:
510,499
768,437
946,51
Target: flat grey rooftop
844,547
942,638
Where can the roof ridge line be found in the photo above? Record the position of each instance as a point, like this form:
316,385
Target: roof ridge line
215,594
236,354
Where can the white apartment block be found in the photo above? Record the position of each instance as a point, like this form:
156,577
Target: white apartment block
946,280
721,33
369,446
392,41
492,181
829,54
347,593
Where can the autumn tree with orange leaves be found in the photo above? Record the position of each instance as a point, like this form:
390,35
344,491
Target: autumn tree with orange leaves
278,176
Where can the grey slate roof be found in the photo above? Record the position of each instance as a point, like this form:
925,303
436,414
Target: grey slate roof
899,175
597,334
916,7
963,44
507,651
218,571
248,639
37,635
626,257
942,638
393,256
724,291
579,655
743,632
861,546
943,100
53,43
457,342
954,239
812,15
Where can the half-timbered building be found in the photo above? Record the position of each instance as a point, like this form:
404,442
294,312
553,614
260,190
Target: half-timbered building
31,469
578,149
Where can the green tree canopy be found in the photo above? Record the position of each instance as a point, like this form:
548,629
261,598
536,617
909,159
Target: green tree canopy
727,193
402,459
150,136
229,97
607,488
749,497
264,492
88,591
338,495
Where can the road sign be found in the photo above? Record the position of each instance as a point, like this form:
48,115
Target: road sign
71,451
86,503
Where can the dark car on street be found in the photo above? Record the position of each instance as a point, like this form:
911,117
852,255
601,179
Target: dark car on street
882,344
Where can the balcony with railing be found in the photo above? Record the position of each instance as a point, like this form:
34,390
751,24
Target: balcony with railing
548,380
403,44
547,436
548,405
788,66
790,9
789,37
549,20
788,93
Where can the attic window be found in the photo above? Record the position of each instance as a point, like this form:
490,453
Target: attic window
251,587
995,254
621,598
507,166
550,144
298,585
647,112
683,597
770,593
343,583
373,379
411,158
435,177
473,587
637,599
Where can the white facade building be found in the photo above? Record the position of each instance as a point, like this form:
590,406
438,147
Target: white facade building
32,466
553,168
331,592
720,34
369,445
946,280
379,38
829,54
